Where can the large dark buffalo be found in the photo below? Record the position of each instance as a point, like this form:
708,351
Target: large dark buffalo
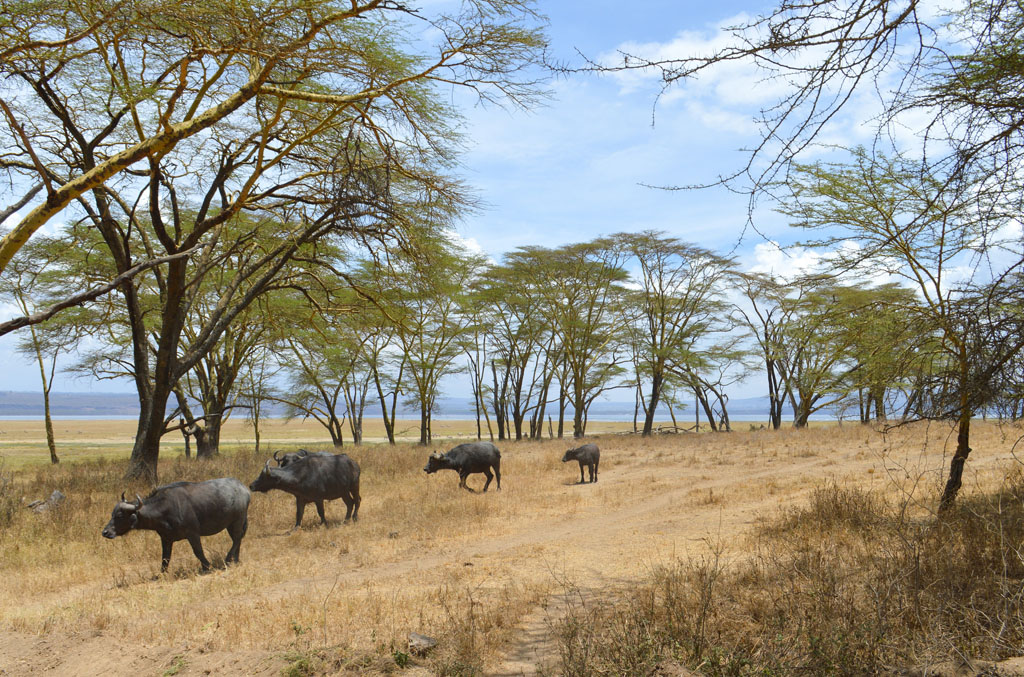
469,458
314,478
587,455
186,511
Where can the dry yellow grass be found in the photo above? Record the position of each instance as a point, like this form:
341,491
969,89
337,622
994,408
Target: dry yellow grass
23,442
472,569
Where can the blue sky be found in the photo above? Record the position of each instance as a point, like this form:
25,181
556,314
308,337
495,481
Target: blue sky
574,169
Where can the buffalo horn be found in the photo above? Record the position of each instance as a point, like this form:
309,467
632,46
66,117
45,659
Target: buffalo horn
138,501
275,456
266,467
122,498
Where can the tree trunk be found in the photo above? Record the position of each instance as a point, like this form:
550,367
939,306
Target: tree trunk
389,424
800,418
579,429
775,401
656,382
541,409
561,412
517,418
702,402
637,396
51,443
424,423
696,412
499,404
878,396
336,428
154,393
142,464
963,450
208,437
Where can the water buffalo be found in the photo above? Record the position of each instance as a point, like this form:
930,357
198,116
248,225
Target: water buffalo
186,511
292,456
469,458
314,477
587,455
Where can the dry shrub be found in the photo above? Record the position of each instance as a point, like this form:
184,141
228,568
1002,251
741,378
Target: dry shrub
849,584
475,621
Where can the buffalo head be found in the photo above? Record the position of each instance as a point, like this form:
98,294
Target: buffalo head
265,481
436,462
124,518
285,460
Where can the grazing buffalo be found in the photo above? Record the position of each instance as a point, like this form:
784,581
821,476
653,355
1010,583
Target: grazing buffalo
587,455
469,458
186,511
314,477
286,459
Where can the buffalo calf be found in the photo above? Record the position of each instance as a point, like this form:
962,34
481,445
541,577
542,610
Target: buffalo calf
587,455
466,459
186,511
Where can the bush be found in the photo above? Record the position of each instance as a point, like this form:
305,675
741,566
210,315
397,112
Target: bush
849,584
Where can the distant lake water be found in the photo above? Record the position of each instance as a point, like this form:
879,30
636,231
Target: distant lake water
684,418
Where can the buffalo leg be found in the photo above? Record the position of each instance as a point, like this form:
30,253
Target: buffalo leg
596,463
320,511
236,531
197,548
165,556
490,476
462,482
581,472
497,474
349,504
300,508
356,500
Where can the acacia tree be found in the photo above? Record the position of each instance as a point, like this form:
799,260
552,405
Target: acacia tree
885,348
28,285
580,286
424,298
160,74
371,318
763,315
708,369
814,355
257,387
321,123
519,337
319,363
925,230
677,304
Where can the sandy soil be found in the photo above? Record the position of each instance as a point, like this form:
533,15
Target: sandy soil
647,508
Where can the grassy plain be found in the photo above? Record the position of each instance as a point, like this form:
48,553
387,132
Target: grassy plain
486,574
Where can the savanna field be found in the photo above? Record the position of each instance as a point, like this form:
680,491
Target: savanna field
754,552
